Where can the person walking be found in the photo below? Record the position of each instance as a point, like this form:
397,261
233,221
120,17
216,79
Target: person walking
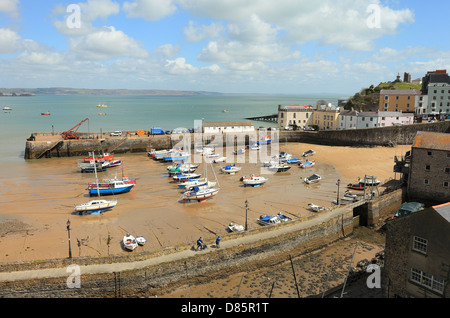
200,244
218,239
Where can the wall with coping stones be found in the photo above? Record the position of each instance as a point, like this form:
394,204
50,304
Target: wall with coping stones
152,280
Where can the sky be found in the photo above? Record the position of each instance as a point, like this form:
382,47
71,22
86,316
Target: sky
299,47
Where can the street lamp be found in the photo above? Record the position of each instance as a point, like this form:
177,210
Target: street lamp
337,199
68,233
246,207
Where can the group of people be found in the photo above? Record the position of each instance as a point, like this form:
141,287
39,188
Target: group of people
201,245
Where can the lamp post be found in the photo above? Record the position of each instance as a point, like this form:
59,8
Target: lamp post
68,234
246,208
337,198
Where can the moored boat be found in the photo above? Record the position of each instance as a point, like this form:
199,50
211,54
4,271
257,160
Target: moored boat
221,159
254,181
307,164
201,183
316,208
91,166
239,151
141,240
46,114
129,242
313,178
309,153
278,167
112,186
185,177
95,206
200,195
233,227
230,169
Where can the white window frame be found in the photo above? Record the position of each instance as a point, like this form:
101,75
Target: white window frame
420,244
427,280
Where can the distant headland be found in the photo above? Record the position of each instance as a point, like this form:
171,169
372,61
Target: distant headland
87,91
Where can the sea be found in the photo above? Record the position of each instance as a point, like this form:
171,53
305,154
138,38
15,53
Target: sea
128,112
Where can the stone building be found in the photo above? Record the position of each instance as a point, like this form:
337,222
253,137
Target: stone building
327,118
298,116
417,254
429,174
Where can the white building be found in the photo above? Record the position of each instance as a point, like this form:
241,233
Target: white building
351,119
421,104
220,127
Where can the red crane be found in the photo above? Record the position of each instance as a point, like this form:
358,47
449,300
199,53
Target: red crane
72,132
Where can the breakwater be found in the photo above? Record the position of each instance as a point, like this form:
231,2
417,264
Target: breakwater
47,145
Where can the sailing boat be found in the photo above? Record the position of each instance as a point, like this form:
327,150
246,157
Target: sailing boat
95,206
198,194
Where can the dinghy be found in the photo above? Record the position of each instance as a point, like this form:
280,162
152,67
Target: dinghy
129,242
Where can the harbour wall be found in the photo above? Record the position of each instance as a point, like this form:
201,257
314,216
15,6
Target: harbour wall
294,238
46,145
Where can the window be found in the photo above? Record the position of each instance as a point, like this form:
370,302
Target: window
386,97
426,182
445,184
420,244
427,167
429,153
396,97
427,280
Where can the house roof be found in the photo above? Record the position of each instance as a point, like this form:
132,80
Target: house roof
443,210
400,92
228,123
432,140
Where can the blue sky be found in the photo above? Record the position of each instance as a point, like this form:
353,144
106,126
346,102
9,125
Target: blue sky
229,46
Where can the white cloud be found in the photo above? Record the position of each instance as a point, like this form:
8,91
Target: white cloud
195,33
152,10
107,43
10,41
167,50
10,7
179,66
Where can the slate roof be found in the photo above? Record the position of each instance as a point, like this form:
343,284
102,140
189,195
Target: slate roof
443,210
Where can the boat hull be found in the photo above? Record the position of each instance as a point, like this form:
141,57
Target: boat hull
110,191
200,196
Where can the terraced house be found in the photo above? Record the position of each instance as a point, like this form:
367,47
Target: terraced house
398,100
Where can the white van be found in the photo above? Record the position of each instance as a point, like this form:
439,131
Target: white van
116,134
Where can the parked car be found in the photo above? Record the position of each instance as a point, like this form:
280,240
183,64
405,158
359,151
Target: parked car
116,133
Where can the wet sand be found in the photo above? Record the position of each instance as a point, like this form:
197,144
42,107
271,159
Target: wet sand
38,197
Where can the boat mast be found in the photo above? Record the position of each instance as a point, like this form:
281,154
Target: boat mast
95,170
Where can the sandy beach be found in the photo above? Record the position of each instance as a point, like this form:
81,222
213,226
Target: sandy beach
37,203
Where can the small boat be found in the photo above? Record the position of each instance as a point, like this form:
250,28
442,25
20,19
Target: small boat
102,105
239,151
225,111
185,177
129,242
278,167
355,186
307,164
254,147
316,208
104,156
177,156
264,140
233,227
205,150
309,153
349,197
102,114
212,155
112,186
95,206
230,169
141,240
46,114
201,183
91,166
271,220
253,181
221,159
370,181
313,178
180,169
294,160
7,108
114,163
200,195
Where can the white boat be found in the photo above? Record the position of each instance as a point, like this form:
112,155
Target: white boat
201,183
221,159
185,177
129,242
316,208
370,181
307,164
95,206
271,220
309,153
239,151
7,108
278,167
254,181
212,155
205,150
233,227
200,195
102,105
254,147
230,169
141,240
313,178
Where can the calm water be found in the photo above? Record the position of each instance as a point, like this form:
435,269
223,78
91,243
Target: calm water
126,113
